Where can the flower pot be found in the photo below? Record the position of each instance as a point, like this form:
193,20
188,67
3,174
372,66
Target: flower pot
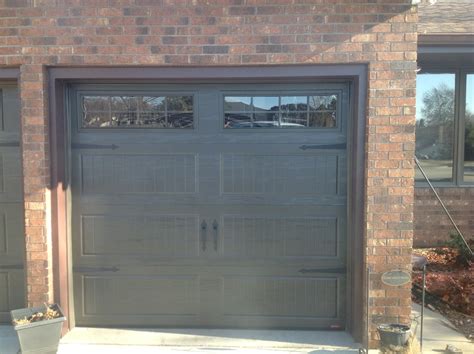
394,334
41,337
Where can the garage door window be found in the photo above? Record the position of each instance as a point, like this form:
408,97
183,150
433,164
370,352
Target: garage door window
137,111
301,111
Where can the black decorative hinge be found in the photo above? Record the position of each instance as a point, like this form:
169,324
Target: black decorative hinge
323,147
11,266
323,270
10,144
95,269
93,146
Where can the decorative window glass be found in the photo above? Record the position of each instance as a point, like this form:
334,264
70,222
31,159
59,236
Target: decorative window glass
137,111
302,111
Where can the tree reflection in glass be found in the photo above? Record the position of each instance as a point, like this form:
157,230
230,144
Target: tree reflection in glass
469,131
435,125
137,111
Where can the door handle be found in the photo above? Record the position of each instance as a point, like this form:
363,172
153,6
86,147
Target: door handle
215,227
203,235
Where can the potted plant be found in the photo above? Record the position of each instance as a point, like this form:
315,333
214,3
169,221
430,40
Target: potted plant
396,335
38,328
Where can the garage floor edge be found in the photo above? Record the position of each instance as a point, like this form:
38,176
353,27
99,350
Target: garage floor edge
103,340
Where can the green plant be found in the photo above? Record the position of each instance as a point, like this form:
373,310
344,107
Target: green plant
465,256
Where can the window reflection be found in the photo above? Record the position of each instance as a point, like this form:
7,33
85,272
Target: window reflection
435,125
127,111
265,104
280,111
469,131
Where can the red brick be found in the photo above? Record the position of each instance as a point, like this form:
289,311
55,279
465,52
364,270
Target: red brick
142,32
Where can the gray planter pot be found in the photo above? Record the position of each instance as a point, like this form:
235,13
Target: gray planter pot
394,334
40,337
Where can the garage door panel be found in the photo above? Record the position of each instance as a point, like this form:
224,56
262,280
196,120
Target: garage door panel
253,236
270,174
12,290
280,296
147,235
135,174
11,232
126,297
10,175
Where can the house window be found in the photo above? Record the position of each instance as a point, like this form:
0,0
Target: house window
469,130
445,126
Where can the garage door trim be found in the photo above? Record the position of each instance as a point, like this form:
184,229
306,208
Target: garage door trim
356,74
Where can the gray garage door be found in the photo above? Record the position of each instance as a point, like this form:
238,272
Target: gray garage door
210,205
12,293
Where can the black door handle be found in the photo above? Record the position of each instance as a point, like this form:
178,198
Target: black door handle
203,235
215,227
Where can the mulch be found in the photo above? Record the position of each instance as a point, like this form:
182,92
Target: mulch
449,287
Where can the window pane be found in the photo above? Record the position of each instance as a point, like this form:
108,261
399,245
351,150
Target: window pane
180,103
265,104
266,120
95,103
435,125
287,111
322,103
322,119
148,103
238,120
294,120
238,104
154,119
138,111
469,132
95,119
123,103
294,103
180,120
124,119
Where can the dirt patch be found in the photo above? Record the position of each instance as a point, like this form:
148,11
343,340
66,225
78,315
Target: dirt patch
449,287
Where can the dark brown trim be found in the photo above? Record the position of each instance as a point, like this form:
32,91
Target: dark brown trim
9,74
59,199
356,74
358,240
189,73
446,39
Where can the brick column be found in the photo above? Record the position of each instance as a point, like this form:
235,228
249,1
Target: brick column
36,174
390,168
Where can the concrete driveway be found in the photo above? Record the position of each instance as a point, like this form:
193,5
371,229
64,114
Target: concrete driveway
438,333
118,341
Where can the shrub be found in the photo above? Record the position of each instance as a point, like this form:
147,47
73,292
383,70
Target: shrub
465,256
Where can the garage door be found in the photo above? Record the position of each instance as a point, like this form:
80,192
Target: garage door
12,290
209,205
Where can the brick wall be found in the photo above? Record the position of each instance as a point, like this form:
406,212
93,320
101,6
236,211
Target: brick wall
381,33
432,226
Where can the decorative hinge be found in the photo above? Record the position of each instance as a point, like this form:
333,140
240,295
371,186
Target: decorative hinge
93,146
10,144
95,269
11,266
323,270
323,147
